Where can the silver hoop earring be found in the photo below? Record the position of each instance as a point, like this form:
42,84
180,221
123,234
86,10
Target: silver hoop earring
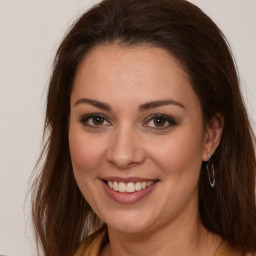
211,180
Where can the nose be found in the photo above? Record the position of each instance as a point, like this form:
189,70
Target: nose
125,149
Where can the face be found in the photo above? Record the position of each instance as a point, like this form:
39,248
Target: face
137,139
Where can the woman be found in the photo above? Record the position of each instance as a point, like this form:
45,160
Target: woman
149,148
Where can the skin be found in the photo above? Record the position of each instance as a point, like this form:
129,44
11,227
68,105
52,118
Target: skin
127,143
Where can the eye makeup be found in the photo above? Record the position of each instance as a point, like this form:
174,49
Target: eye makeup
94,121
160,122
154,122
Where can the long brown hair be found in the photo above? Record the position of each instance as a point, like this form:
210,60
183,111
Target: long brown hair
62,218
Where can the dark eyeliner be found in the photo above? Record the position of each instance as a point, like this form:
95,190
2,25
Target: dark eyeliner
170,120
85,118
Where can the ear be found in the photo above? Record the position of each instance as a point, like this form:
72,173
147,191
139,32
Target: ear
212,135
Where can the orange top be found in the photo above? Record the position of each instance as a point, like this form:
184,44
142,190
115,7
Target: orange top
94,243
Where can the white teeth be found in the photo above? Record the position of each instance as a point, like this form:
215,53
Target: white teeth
110,184
122,187
150,183
144,185
138,186
129,187
115,186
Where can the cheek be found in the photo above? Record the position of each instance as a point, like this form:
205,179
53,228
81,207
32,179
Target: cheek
85,152
181,153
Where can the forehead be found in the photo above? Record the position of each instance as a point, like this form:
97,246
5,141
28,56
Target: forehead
139,73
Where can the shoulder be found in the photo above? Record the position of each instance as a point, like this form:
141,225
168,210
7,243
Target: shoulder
93,243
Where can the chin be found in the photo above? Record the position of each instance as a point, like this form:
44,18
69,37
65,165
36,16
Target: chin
129,223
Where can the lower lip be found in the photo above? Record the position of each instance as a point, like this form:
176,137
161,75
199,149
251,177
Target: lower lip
127,198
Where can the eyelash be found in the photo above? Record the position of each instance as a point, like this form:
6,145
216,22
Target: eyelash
167,119
85,119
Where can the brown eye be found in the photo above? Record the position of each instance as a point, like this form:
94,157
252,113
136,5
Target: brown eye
94,121
97,120
159,122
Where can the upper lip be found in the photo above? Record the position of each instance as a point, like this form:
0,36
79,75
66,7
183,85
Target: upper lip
127,179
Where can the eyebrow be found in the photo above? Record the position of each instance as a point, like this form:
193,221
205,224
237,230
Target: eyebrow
94,103
159,103
141,108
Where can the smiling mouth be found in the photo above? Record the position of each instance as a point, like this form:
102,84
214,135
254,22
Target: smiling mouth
129,187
